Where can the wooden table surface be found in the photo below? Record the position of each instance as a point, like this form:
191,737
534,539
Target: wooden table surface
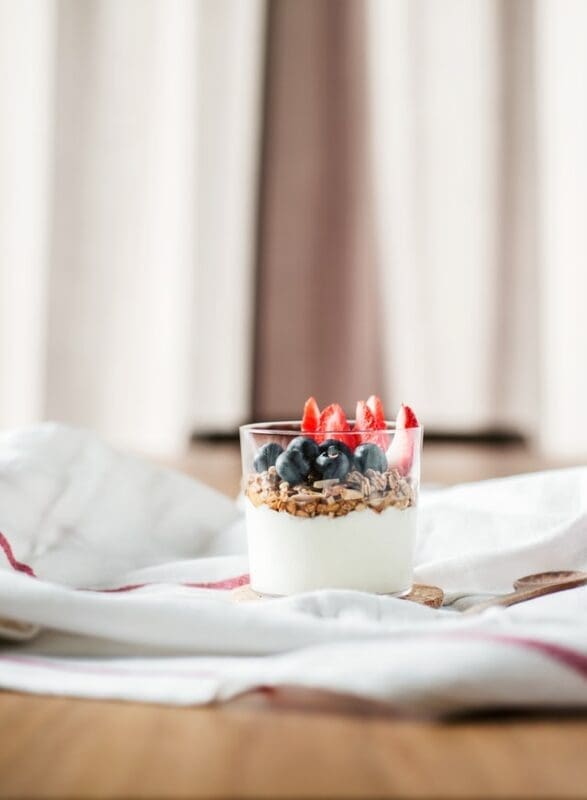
289,744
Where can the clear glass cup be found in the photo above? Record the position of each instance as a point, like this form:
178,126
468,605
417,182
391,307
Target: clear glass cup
330,511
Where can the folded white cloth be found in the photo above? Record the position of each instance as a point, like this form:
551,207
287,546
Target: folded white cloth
125,568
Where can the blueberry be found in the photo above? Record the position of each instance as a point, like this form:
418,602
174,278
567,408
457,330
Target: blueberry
292,466
307,447
370,456
267,456
340,446
333,462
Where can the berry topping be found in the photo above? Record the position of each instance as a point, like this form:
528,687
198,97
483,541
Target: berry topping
365,421
267,456
401,451
311,416
375,406
340,446
333,422
307,447
333,461
292,467
370,456
406,418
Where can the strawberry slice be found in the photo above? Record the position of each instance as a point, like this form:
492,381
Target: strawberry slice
334,425
376,407
311,417
406,418
401,451
365,421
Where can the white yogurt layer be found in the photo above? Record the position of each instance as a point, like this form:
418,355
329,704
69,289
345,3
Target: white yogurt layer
361,550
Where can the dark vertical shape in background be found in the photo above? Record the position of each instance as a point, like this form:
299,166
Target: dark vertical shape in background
317,299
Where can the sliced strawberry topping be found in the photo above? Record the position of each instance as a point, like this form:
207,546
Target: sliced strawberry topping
333,415
401,452
406,418
311,418
376,407
364,419
334,425
364,422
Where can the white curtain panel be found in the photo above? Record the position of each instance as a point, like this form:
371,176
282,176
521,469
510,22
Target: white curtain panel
562,148
479,130
128,154
27,46
442,136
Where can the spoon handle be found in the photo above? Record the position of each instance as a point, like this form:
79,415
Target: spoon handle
522,595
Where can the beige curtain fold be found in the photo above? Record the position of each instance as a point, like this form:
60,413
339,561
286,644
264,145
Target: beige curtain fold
317,302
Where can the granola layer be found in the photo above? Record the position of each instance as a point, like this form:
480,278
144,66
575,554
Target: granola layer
332,498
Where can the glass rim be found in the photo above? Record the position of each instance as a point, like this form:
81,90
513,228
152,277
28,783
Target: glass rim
273,428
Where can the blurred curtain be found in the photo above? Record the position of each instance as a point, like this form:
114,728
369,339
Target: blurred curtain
561,34
128,155
455,168
318,312
480,130
400,157
453,99
417,209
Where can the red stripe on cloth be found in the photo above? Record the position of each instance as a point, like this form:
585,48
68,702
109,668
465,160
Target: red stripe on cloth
16,565
227,583
574,659
129,588
224,585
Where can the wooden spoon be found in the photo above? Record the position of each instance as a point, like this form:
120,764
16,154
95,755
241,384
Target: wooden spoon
531,586
548,578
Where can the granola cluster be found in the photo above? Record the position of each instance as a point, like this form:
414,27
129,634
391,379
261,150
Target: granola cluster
331,497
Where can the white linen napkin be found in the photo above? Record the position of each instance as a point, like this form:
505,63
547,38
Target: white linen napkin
126,570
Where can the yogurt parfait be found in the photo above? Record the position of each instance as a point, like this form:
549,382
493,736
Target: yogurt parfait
332,503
